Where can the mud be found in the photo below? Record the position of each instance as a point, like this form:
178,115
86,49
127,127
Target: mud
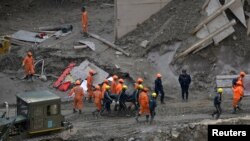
229,57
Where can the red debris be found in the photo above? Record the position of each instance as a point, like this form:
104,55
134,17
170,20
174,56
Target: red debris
63,75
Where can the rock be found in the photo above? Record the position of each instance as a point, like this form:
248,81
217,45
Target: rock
174,133
234,37
191,126
144,43
131,139
118,53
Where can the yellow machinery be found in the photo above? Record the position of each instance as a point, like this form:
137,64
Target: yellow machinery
5,45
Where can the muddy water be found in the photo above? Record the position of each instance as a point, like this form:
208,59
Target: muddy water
161,62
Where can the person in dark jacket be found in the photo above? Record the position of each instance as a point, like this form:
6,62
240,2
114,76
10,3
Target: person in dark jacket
107,100
184,80
217,103
152,106
122,98
159,87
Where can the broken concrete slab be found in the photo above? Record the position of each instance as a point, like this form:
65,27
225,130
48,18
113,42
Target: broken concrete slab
218,22
237,9
81,72
27,36
91,45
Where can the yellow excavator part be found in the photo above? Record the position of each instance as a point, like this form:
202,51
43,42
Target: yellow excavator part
4,46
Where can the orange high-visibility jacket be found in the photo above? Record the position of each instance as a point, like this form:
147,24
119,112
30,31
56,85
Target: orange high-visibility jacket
28,65
97,99
103,89
85,21
118,88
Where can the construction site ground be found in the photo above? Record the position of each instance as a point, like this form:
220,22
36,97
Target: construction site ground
227,58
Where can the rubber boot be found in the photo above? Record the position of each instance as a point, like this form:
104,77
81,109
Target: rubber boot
74,110
137,117
238,107
80,111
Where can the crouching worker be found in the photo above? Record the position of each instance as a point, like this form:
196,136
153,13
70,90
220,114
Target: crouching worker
107,100
152,106
98,100
78,99
144,104
217,103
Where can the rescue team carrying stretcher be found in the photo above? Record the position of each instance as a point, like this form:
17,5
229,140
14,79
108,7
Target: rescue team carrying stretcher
104,95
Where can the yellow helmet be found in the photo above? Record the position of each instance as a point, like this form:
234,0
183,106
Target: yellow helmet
125,87
220,90
107,87
140,87
154,94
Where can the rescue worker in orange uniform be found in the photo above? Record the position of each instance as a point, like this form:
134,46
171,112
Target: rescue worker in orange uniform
119,86
138,82
84,21
78,99
237,94
28,64
105,83
144,104
97,100
114,84
90,80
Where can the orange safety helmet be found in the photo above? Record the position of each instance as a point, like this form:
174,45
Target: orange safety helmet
139,80
242,73
158,75
91,72
115,77
97,87
29,53
106,81
121,80
145,89
78,82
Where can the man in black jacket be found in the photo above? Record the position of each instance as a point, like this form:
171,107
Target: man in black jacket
184,80
159,87
217,103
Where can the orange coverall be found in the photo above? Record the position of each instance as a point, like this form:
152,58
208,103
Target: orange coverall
238,93
28,63
119,88
89,85
103,89
78,102
85,21
113,87
97,99
144,103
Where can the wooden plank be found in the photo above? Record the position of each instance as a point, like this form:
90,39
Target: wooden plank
212,16
108,43
80,47
200,42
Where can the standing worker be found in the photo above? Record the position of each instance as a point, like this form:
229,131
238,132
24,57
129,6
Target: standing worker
107,100
159,87
28,64
217,103
114,84
237,94
144,104
152,106
97,99
184,80
105,83
90,80
78,99
84,21
138,82
119,86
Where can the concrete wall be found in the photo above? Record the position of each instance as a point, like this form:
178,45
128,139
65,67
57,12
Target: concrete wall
129,13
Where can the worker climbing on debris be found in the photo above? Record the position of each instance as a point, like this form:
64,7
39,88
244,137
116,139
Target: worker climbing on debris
105,83
28,64
84,21
114,84
78,98
159,87
90,80
152,106
184,80
217,103
144,104
107,100
237,95
97,100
